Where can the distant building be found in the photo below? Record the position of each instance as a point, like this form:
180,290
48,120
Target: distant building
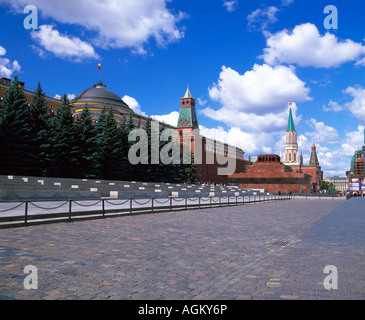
52,103
213,154
295,161
356,174
341,183
270,174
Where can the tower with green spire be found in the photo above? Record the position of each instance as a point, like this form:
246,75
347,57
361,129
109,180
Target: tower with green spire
187,115
291,126
291,156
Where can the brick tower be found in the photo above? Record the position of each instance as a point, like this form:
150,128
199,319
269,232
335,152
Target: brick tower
187,125
188,120
313,159
291,156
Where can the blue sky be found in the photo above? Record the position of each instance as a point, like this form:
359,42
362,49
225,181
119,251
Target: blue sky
243,61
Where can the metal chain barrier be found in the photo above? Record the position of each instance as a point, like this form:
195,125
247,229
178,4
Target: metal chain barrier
162,202
141,203
211,200
193,199
42,208
87,205
117,204
6,210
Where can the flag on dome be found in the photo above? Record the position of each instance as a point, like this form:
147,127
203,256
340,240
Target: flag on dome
99,66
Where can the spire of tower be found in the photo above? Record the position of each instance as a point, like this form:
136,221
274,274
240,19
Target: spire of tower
187,93
291,145
291,126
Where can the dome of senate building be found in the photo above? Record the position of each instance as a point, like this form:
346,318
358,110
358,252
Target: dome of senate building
99,96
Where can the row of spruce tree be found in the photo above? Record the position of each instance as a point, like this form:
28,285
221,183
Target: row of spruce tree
36,142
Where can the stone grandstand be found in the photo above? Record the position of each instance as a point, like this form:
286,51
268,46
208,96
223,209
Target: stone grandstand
19,188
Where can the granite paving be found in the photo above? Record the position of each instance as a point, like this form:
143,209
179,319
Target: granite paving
275,250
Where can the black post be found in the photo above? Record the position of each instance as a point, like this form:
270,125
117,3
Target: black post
69,210
199,203
26,214
103,205
186,203
130,205
170,203
152,204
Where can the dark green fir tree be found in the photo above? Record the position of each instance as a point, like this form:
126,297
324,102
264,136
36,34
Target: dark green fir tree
110,148
41,133
191,175
66,146
144,171
15,127
100,123
125,128
87,133
173,170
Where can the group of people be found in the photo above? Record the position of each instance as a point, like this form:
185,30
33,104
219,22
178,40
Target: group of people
350,194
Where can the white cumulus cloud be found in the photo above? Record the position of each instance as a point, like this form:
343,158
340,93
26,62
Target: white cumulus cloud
250,143
354,141
322,133
230,5
333,106
262,90
261,18
170,119
116,24
257,100
63,46
357,105
134,105
305,46
7,68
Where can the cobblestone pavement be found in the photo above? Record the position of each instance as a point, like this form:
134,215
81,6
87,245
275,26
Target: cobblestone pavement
226,253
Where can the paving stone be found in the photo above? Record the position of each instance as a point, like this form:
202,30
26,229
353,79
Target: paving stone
218,253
